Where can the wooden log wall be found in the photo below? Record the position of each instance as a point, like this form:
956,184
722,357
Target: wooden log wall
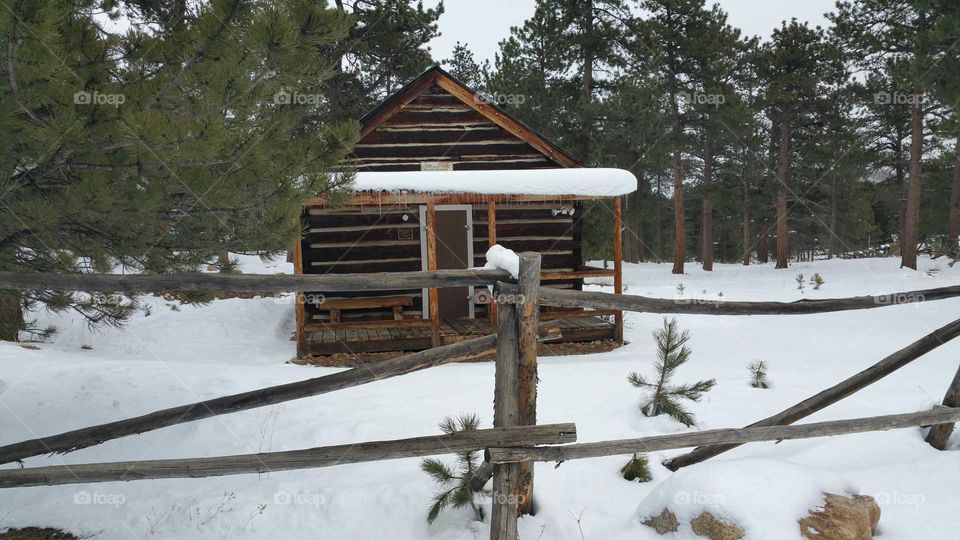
438,127
535,227
362,240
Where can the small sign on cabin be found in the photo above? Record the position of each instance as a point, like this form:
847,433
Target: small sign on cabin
436,165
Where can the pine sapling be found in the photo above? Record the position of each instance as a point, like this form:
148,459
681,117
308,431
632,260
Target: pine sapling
817,281
664,398
638,468
454,481
758,374
800,283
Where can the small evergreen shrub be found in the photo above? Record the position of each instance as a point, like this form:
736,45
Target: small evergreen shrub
455,481
800,282
664,398
758,374
817,281
638,468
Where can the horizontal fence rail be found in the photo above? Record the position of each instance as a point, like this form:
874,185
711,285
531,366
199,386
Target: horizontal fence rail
656,443
694,306
144,283
386,281
90,436
325,456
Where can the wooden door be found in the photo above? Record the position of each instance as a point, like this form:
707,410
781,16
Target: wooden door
454,252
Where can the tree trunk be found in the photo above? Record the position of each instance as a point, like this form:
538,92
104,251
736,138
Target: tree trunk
746,224
706,247
588,60
950,243
783,176
659,204
832,237
11,316
911,223
678,225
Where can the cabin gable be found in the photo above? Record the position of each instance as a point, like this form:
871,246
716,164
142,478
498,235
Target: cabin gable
437,121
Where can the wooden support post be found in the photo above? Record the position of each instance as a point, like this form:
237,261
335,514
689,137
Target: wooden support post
940,433
434,294
529,312
301,299
491,241
618,264
506,412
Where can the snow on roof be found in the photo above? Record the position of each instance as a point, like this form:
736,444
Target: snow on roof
573,181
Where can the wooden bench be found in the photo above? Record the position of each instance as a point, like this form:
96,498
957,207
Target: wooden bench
336,305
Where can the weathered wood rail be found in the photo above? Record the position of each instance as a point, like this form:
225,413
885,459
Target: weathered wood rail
735,436
139,283
144,283
325,456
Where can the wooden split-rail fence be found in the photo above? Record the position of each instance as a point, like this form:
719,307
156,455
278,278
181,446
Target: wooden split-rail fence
516,441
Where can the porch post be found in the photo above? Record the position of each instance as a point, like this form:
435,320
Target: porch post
618,264
299,298
432,265
491,241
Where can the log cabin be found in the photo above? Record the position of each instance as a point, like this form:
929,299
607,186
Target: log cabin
442,175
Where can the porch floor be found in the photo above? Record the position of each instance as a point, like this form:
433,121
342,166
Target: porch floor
416,338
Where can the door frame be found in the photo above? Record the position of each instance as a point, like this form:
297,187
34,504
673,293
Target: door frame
468,208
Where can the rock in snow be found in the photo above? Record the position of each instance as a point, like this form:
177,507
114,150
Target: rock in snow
758,498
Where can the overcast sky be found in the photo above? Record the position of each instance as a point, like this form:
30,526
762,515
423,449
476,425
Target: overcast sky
483,23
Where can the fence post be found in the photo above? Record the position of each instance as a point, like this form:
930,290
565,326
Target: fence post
503,517
940,433
529,315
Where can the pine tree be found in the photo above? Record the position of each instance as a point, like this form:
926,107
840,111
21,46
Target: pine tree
664,398
638,468
799,67
386,46
455,490
758,374
880,31
464,66
159,150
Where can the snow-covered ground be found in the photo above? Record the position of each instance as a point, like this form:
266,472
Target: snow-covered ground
176,356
